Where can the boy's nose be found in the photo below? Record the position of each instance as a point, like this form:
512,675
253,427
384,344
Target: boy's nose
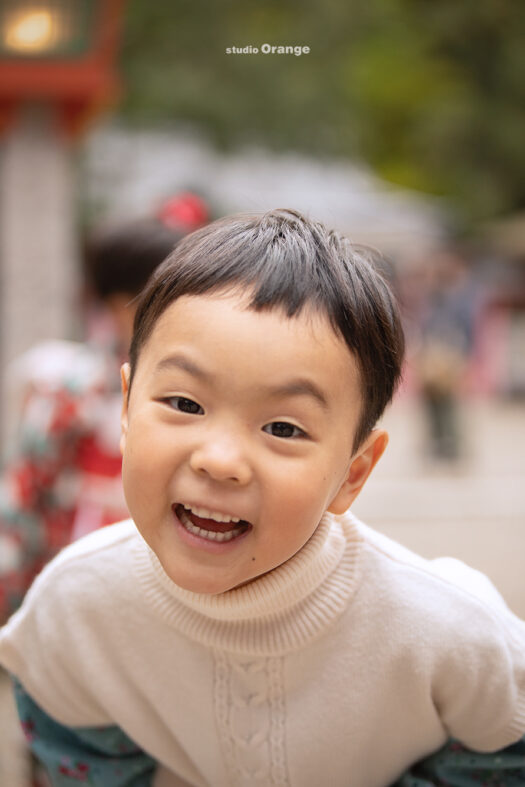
221,460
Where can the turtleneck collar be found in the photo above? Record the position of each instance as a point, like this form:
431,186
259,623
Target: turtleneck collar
273,614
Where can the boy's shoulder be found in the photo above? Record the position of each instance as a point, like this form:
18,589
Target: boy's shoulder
83,572
98,541
93,546
410,576
438,615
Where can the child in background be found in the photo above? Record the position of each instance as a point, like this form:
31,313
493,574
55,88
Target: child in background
63,478
243,628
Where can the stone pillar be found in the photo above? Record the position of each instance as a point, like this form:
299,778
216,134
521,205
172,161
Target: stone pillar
38,248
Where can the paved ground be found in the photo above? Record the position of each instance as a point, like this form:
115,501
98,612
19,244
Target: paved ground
473,510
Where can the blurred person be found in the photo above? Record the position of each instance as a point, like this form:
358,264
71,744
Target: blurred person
63,479
446,337
244,627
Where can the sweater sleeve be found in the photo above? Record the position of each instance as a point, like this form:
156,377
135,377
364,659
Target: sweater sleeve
456,634
60,641
479,678
98,755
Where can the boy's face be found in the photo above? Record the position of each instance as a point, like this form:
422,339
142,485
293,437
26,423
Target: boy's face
242,416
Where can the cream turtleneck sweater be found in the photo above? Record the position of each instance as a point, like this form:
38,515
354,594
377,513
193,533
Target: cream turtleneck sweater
342,666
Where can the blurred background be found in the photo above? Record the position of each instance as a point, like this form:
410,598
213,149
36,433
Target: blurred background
403,126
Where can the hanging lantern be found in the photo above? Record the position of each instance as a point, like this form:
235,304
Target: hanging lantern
59,51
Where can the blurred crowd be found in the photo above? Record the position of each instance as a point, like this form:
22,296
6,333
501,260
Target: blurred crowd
465,327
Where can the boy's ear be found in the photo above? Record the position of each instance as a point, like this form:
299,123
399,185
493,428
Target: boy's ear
124,378
361,466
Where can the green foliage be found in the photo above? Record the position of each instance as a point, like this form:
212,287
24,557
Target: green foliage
430,93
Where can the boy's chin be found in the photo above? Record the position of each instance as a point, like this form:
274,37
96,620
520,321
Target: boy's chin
205,585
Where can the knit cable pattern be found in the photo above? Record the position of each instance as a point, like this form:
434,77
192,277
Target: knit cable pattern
250,714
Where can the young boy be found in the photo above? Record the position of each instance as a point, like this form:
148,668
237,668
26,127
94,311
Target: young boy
244,628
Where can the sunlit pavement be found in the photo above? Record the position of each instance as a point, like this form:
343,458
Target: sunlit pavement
473,509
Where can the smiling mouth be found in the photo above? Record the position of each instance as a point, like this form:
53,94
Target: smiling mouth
209,524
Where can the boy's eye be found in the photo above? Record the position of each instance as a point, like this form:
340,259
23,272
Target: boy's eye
283,429
184,405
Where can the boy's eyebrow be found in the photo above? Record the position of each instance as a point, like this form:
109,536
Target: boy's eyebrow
184,363
299,387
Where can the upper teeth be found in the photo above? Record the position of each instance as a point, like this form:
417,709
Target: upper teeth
204,513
